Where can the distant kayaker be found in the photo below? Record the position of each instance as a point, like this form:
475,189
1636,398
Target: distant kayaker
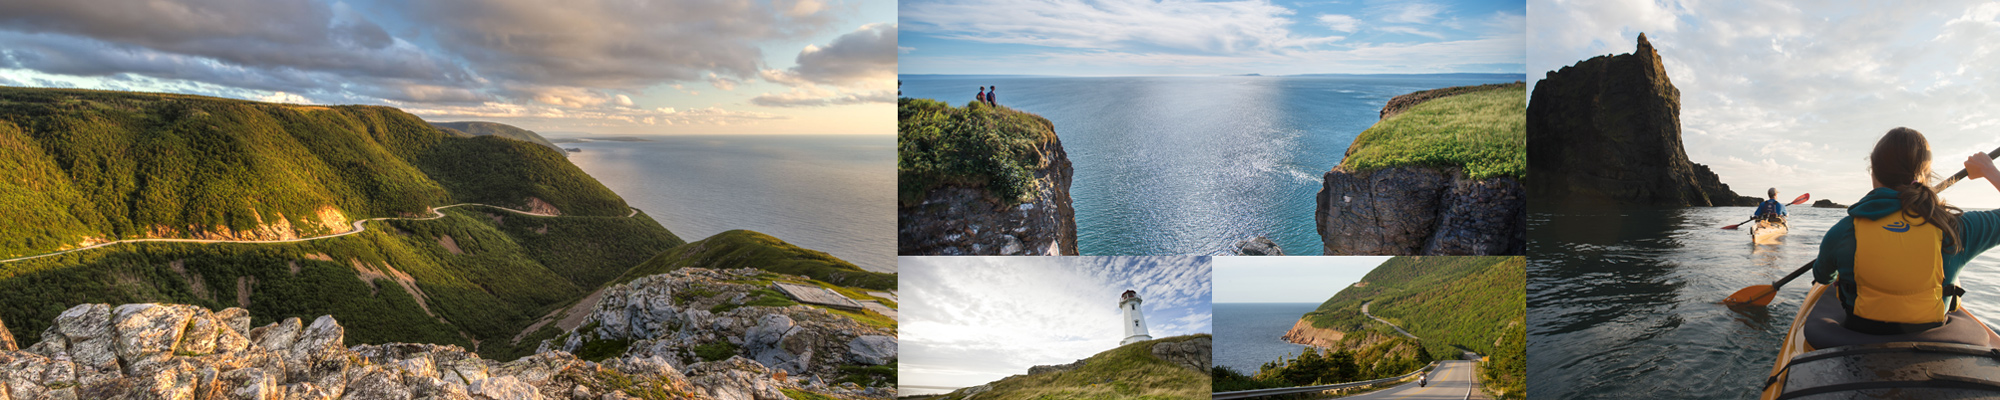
1771,209
1895,258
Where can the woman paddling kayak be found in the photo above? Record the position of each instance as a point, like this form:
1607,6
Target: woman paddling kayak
1883,318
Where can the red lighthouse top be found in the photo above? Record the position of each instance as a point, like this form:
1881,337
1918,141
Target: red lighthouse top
1128,294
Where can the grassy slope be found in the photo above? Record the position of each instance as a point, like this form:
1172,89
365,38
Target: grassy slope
82,163
750,249
1485,132
1127,372
1474,303
482,128
976,145
77,164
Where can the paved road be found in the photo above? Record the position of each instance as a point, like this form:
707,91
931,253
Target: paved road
359,226
1451,380
1364,311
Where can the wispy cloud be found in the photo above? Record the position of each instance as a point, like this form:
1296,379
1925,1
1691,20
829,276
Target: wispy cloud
970,320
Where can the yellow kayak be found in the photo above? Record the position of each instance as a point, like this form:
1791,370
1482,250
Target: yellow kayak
1820,360
1767,232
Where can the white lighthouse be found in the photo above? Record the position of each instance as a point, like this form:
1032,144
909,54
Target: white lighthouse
1135,323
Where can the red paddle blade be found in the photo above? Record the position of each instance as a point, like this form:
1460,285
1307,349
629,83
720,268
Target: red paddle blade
1759,295
1801,200
1732,227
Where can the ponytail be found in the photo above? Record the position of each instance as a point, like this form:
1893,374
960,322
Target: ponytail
1902,161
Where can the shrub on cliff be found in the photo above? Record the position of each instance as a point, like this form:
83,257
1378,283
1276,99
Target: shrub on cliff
1484,132
976,145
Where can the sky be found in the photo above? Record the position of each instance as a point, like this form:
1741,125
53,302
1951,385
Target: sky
1776,94
595,66
1227,37
1288,279
967,321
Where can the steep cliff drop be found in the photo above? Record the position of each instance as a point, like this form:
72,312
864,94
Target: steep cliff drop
981,180
1607,131
1415,203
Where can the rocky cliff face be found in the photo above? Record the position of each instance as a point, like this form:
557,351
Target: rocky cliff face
693,316
1607,131
1304,333
959,220
1420,210
166,351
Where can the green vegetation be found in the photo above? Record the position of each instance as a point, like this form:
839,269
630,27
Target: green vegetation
975,146
508,274
80,166
869,375
1454,303
716,351
1127,372
1485,132
598,350
1356,358
750,249
796,394
482,128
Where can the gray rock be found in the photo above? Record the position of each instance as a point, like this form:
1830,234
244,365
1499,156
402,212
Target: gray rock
1258,246
503,388
872,349
147,333
1192,353
87,329
7,342
277,336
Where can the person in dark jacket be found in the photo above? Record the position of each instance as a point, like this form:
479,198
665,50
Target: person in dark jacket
989,97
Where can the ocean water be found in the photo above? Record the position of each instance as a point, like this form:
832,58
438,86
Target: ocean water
1247,335
830,193
1626,304
1192,165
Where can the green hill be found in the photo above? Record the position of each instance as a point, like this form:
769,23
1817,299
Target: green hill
750,249
977,146
87,166
482,128
476,274
1452,303
1126,372
1483,129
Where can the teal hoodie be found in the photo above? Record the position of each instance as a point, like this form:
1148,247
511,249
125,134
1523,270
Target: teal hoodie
1981,230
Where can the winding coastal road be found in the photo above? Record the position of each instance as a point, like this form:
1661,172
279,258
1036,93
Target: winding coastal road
1364,311
1452,380
359,226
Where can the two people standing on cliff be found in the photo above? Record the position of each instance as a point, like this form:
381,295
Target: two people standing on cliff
986,96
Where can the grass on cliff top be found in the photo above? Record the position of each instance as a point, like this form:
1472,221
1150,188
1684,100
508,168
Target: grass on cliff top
976,146
1126,372
751,249
1484,132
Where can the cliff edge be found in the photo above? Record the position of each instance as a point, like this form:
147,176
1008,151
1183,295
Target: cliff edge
1440,174
1607,131
980,180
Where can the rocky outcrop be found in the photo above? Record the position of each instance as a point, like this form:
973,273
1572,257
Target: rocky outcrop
961,220
171,351
1420,211
1304,333
1823,203
1607,131
693,315
1192,353
1258,246
7,339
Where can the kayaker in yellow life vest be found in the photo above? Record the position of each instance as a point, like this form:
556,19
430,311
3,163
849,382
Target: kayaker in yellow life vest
1895,258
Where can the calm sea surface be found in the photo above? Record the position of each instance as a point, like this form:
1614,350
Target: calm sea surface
1247,335
835,194
1626,304
1191,165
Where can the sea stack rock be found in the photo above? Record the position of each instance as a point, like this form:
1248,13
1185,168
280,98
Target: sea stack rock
1607,131
956,218
1421,210
1824,203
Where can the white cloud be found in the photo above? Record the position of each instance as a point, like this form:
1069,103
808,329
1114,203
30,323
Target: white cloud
1213,27
1408,12
971,320
1340,23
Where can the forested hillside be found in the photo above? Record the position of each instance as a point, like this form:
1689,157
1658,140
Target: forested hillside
1453,304
79,167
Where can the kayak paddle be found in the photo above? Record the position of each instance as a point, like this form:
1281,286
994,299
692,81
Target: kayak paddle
1801,200
1762,295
